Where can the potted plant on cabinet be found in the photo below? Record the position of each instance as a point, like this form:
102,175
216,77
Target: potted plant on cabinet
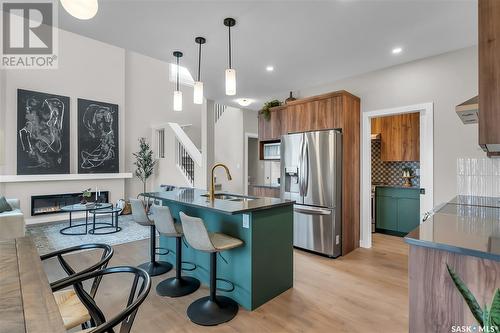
266,109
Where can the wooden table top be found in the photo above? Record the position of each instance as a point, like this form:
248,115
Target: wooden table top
26,301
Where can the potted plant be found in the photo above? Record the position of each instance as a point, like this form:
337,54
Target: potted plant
144,162
265,111
86,194
488,318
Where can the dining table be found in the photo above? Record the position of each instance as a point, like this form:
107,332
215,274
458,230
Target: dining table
27,304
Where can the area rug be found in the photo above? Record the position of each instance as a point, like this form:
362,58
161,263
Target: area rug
48,239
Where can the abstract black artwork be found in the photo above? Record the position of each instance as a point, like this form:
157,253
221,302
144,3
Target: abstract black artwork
43,133
97,137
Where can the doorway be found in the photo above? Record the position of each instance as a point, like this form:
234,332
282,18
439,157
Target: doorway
251,166
425,112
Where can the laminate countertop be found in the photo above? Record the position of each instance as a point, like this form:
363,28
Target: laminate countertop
197,198
465,225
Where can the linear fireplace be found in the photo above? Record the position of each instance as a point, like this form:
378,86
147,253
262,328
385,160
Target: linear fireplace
52,203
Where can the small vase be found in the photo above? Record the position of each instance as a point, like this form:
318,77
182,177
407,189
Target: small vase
291,98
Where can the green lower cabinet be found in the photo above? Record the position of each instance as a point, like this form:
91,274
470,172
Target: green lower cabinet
408,214
387,213
397,210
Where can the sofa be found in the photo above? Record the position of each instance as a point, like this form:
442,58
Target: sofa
12,222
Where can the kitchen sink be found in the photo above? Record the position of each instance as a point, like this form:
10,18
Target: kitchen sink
229,197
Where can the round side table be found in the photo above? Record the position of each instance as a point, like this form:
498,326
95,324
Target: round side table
113,212
80,208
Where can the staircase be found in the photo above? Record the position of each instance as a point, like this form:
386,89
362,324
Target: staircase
187,156
185,162
219,111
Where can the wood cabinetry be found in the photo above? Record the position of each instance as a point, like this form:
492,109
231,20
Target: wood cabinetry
261,191
400,136
489,76
336,110
275,127
315,115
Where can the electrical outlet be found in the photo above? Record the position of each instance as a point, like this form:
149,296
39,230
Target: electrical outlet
246,221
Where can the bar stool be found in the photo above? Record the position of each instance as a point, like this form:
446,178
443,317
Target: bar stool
139,215
210,310
179,285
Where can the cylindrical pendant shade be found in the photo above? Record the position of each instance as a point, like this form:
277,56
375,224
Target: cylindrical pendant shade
177,100
198,93
230,82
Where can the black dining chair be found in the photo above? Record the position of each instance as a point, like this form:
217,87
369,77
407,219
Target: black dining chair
140,288
72,310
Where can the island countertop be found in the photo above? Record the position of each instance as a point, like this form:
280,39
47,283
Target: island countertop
465,225
195,197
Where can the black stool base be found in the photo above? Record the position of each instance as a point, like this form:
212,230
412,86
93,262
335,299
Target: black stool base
156,268
177,287
208,313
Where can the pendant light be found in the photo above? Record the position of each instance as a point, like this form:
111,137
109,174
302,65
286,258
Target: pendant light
81,9
198,85
230,72
177,92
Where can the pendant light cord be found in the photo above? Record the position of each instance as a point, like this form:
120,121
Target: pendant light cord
177,73
199,63
229,47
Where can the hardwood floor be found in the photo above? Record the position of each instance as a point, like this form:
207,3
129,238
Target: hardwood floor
365,291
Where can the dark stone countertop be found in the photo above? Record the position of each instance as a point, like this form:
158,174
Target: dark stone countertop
462,228
195,198
399,186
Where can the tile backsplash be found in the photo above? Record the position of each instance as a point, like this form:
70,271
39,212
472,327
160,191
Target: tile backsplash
390,172
478,176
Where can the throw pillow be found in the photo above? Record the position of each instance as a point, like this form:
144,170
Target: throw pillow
4,205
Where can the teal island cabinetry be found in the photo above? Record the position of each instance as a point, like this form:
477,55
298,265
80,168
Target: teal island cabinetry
397,209
262,268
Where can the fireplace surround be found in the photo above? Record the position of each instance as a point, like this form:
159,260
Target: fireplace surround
52,203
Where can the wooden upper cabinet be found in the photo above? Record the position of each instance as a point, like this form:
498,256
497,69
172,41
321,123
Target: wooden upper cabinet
400,136
489,75
273,128
315,115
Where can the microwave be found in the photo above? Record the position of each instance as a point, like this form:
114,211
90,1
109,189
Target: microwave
271,151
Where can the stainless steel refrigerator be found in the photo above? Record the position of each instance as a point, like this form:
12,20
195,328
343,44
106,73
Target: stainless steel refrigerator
311,174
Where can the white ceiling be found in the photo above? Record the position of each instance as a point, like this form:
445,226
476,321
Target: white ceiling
308,42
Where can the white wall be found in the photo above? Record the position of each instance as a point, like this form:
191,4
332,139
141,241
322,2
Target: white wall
149,98
87,69
98,71
229,142
446,80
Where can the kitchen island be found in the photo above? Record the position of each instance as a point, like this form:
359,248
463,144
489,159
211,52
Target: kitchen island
465,234
262,268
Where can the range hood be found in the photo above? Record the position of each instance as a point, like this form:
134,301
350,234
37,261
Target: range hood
375,136
468,111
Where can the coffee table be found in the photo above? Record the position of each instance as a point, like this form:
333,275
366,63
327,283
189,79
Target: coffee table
114,212
81,208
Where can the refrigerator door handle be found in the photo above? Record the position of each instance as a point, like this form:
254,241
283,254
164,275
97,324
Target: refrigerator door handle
306,163
301,169
312,210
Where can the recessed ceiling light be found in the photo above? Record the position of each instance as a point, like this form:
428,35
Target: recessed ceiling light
269,68
397,50
244,101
